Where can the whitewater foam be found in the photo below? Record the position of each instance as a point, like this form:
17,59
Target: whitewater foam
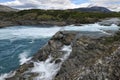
6,75
21,32
3,76
27,32
24,57
48,69
68,50
92,28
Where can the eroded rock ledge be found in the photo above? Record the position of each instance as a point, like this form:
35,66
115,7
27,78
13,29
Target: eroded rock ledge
91,58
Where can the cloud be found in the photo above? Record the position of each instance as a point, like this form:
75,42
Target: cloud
113,5
41,4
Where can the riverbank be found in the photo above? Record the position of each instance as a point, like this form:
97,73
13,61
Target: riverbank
31,23
105,22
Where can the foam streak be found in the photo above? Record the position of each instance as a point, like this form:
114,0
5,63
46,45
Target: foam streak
48,69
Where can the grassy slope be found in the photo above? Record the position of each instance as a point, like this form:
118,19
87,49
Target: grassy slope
57,15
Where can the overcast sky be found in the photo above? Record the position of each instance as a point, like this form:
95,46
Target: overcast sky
61,4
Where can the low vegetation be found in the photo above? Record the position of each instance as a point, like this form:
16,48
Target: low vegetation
57,15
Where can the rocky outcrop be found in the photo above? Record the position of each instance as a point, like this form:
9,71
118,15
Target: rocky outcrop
91,58
31,22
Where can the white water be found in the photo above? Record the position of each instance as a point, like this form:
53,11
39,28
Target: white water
24,57
68,50
27,32
7,75
3,76
37,32
92,28
48,70
21,32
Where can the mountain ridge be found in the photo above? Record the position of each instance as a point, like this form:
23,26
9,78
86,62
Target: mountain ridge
92,9
4,8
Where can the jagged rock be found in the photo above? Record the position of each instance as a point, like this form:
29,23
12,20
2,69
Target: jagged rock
92,59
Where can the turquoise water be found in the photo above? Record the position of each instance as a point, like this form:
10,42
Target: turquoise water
19,43
10,52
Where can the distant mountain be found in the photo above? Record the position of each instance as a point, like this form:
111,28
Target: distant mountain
92,9
6,9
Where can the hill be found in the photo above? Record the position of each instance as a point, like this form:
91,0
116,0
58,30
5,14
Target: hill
92,9
7,9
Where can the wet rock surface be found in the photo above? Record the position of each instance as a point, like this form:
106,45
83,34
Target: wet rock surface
92,58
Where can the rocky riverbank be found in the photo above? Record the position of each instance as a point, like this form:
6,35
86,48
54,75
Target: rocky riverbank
106,22
91,58
31,23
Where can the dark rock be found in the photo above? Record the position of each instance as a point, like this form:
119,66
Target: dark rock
58,61
92,59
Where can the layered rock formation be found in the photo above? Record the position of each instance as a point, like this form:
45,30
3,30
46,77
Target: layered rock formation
92,59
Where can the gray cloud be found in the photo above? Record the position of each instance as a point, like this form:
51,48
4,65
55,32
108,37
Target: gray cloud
46,4
61,4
